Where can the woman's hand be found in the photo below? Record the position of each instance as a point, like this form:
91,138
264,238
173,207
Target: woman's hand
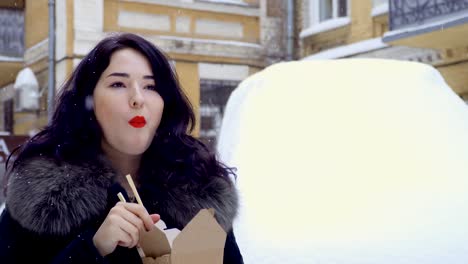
122,227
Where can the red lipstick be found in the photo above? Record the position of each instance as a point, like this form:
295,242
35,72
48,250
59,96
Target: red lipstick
138,122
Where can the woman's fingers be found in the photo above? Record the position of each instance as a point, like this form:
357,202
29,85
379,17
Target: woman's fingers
129,234
131,217
123,239
141,212
122,226
155,218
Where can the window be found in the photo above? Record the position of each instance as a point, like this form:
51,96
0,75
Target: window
11,32
330,9
214,96
323,15
8,115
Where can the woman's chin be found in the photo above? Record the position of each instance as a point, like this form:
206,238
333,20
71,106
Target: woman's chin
135,152
137,148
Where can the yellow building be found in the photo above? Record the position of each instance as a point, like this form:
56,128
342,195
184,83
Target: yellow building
432,32
11,56
214,44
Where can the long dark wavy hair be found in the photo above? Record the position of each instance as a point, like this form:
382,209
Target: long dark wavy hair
74,135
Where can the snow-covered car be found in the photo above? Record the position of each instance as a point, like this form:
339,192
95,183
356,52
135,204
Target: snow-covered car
349,161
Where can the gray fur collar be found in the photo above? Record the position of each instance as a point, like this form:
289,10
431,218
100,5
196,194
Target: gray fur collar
54,199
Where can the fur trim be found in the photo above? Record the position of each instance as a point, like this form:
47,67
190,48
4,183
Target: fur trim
182,203
51,198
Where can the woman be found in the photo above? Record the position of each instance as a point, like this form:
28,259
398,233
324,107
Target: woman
121,112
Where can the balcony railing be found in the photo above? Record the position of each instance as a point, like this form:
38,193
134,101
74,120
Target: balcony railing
11,32
404,13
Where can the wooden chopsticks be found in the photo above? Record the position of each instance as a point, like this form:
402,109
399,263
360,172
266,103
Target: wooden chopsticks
134,190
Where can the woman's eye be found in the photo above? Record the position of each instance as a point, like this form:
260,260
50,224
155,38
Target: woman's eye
117,85
151,87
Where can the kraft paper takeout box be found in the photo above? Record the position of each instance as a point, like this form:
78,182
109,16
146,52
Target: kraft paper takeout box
200,242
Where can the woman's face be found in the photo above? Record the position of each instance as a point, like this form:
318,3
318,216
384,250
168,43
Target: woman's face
126,104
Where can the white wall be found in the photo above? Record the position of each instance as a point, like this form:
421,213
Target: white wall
216,71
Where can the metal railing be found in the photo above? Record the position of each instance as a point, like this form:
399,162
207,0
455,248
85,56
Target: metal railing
404,13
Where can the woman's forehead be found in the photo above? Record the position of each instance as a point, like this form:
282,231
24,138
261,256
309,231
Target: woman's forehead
128,61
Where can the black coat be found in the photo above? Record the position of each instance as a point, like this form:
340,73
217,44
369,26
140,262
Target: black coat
53,211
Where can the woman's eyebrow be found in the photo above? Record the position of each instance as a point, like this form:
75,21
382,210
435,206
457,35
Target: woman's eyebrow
119,74
126,75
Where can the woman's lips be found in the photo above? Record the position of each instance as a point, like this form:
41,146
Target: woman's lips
138,122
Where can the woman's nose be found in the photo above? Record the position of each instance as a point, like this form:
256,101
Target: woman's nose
136,98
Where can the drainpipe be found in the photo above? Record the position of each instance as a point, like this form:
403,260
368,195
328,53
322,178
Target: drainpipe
290,30
51,88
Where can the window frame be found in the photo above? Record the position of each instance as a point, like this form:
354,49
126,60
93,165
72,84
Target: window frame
313,24
314,8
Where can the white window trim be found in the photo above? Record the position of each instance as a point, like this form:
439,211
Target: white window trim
232,2
11,59
315,26
325,26
235,9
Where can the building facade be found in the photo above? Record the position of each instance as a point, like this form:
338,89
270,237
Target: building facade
427,31
213,44
11,56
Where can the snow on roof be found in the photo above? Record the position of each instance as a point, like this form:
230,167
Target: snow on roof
325,26
10,59
210,41
26,77
380,9
232,2
349,50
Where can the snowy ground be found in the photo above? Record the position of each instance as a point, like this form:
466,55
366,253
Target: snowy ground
349,162
2,206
